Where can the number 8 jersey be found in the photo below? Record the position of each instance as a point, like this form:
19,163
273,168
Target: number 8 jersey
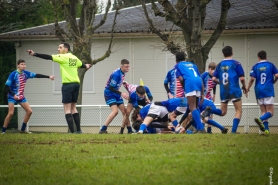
264,72
228,71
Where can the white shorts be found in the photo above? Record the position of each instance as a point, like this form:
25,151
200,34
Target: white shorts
194,93
181,109
160,111
266,101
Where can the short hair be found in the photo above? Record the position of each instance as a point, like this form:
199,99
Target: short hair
212,65
134,114
227,51
180,56
124,61
140,89
20,61
66,45
262,55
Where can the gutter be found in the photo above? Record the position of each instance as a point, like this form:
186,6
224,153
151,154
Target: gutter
138,34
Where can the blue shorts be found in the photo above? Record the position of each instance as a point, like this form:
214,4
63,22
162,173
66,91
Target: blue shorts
11,100
112,98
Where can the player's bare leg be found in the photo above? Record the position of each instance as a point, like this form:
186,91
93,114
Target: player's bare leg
8,117
126,121
28,113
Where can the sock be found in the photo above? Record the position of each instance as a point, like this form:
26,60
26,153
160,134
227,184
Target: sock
266,125
194,124
189,124
129,129
4,129
70,122
235,124
266,116
103,128
197,118
175,123
76,118
184,116
209,130
143,126
216,111
214,123
23,127
122,129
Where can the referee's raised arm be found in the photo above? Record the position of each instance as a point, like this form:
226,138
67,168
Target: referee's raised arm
43,56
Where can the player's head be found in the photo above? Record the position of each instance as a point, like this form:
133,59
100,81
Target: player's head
136,115
141,91
21,65
125,65
180,56
262,55
227,51
64,48
211,68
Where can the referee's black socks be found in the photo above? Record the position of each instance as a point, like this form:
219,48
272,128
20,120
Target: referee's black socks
76,118
70,122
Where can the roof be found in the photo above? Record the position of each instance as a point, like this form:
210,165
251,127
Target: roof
243,14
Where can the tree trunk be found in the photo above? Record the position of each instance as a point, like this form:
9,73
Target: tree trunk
81,75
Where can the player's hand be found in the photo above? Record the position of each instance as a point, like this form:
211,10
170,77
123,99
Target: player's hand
31,52
170,127
51,77
245,91
16,97
125,95
202,99
182,130
148,101
170,96
88,66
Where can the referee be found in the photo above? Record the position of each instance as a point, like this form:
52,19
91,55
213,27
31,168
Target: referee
69,65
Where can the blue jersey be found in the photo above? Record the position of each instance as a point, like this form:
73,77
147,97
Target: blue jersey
175,86
144,111
206,103
228,72
116,79
174,103
191,76
16,81
134,98
264,72
208,84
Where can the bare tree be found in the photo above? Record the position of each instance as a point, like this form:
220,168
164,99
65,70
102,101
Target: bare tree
81,31
189,16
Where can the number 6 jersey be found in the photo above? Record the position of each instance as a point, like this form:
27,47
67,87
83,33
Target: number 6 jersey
264,72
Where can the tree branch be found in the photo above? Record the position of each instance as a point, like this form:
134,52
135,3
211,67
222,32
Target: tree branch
59,32
225,6
171,46
156,10
102,21
108,52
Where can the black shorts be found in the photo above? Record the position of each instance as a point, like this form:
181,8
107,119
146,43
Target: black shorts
70,92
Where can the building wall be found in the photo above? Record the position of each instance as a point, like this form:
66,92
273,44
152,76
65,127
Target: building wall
147,62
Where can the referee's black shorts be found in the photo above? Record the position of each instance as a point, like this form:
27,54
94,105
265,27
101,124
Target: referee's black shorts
70,92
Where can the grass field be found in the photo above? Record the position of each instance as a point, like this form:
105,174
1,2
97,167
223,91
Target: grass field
138,159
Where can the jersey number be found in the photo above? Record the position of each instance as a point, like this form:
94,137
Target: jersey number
191,68
263,78
225,78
